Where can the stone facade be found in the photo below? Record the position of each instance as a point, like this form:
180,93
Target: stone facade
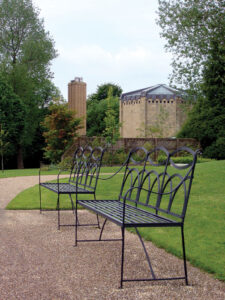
152,112
77,100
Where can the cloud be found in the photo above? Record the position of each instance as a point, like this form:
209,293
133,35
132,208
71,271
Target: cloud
105,9
131,68
92,55
85,54
106,41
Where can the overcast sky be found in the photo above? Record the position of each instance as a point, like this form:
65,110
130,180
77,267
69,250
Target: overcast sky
105,41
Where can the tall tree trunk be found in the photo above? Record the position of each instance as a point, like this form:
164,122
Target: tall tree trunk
2,162
20,164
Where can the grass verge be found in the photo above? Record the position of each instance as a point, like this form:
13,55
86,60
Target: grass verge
45,171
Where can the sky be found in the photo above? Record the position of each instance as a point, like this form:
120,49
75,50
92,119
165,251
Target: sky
104,41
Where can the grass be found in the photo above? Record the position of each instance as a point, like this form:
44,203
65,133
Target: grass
29,198
204,224
45,171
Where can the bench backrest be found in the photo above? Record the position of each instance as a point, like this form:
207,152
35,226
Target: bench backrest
163,187
134,172
86,167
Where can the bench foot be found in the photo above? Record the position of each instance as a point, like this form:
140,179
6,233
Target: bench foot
184,255
154,279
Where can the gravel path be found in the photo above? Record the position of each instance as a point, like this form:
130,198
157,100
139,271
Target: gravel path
39,262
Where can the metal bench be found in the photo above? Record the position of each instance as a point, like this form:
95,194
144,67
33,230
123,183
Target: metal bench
147,198
82,180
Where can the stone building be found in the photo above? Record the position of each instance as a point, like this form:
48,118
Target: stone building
77,100
155,111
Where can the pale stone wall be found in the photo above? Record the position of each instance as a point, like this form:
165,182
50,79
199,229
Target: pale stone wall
181,114
161,114
132,115
77,101
141,117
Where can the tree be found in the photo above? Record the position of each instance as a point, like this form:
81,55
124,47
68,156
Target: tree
60,128
3,145
95,117
188,27
112,125
26,51
103,90
97,108
194,31
206,121
12,112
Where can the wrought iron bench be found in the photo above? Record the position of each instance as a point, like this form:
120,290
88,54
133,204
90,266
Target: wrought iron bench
82,180
147,198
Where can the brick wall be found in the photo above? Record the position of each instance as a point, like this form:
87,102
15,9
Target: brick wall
129,143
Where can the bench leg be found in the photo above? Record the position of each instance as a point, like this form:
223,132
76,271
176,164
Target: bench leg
149,263
146,254
58,209
98,223
103,226
184,255
40,196
122,256
71,200
76,223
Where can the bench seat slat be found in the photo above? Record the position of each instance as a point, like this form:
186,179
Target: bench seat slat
113,210
65,188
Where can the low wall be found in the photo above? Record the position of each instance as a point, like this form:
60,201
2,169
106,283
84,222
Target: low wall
128,143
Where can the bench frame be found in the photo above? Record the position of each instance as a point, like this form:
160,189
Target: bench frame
129,210
83,179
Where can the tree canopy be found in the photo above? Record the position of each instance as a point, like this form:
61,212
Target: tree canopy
188,27
26,51
12,111
195,31
97,107
103,91
206,121
60,128
112,125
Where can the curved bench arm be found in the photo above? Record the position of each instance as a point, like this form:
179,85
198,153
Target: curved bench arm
111,176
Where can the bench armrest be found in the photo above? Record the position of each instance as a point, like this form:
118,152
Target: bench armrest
57,175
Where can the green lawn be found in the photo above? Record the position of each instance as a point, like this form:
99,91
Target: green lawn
204,224
35,172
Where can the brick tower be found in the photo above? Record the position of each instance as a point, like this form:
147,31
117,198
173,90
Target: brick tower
77,100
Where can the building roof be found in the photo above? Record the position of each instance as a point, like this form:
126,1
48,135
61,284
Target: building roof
159,91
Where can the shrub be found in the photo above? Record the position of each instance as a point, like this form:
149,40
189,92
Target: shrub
216,150
182,159
66,163
116,157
